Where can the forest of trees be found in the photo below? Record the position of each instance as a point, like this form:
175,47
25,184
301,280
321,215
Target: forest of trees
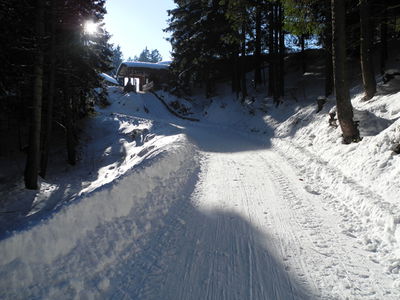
50,69
147,55
50,65
214,39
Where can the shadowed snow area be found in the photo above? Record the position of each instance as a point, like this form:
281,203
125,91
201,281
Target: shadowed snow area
226,208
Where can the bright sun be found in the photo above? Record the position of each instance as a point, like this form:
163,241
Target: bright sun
90,27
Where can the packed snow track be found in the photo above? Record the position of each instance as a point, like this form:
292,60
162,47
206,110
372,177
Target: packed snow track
218,216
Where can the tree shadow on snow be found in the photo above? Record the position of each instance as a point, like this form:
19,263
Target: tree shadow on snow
208,255
225,140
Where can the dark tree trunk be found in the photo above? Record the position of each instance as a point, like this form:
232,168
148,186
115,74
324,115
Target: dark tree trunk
33,157
328,58
328,72
343,103
257,52
302,53
281,74
209,82
243,63
69,124
50,97
367,69
276,54
271,51
236,74
384,37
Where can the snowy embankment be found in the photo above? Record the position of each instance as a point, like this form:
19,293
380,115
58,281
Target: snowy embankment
145,170
114,221
359,180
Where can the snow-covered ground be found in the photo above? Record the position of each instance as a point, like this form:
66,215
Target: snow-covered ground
251,202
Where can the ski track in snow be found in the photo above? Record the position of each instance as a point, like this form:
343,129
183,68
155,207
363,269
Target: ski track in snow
253,232
242,225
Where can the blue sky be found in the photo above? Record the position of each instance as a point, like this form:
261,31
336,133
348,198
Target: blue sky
135,24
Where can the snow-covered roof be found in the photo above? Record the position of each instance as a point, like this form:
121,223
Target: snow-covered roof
109,78
165,62
148,65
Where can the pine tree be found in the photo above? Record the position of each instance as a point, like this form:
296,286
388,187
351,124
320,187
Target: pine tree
33,158
146,55
117,58
48,119
155,56
202,36
42,56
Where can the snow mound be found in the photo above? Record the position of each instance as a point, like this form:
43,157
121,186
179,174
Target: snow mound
119,216
364,176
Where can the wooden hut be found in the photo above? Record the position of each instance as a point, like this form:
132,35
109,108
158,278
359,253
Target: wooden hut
150,75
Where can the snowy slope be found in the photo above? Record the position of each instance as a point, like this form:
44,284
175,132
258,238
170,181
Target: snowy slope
133,175
360,180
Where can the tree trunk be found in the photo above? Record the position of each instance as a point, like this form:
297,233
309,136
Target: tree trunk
50,98
236,74
367,69
69,124
257,52
328,71
243,63
271,51
343,103
302,53
70,131
281,76
328,58
276,54
33,157
384,37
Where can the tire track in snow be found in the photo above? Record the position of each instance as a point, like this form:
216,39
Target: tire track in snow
337,273
222,251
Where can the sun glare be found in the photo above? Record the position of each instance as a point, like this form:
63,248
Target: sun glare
90,27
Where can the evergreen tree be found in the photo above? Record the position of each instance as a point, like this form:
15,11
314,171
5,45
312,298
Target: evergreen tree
117,58
33,158
46,59
203,38
143,56
155,56
146,55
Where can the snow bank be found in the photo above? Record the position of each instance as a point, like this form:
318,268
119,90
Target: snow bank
110,79
96,229
359,180
137,104
136,170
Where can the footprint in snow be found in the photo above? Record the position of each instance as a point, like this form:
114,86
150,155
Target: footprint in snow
310,190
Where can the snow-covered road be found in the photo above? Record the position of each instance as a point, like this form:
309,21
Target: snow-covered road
210,214
252,231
